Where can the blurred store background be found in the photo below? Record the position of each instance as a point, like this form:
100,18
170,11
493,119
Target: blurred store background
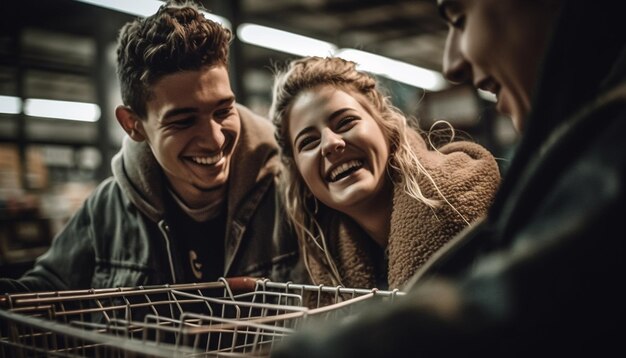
58,89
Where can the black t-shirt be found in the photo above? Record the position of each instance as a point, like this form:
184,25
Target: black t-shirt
200,245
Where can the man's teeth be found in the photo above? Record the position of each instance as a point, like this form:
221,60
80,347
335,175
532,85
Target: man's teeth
207,160
334,174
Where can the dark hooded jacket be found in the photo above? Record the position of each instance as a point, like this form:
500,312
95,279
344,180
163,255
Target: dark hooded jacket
542,275
122,236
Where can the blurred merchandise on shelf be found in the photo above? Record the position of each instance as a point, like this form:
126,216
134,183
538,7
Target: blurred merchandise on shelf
10,172
32,209
24,233
36,169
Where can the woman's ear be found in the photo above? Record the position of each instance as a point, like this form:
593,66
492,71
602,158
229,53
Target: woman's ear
131,123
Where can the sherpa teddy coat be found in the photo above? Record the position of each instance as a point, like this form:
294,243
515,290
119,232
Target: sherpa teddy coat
466,174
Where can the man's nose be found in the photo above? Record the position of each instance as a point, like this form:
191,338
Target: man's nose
211,135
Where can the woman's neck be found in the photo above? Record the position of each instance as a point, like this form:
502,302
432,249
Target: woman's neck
375,218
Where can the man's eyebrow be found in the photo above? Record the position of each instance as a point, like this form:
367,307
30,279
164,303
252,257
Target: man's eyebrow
187,110
178,111
226,100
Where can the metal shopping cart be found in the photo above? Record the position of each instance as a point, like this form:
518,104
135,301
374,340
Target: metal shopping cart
237,317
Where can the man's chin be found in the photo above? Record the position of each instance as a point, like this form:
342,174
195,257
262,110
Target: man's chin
211,183
211,187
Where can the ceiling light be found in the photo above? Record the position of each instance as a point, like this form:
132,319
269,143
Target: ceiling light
10,105
284,41
395,70
299,45
47,108
144,8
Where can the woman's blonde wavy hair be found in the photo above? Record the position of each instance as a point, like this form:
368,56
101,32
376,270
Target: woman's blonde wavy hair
308,73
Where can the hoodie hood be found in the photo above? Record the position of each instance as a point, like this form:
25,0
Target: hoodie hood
138,173
255,159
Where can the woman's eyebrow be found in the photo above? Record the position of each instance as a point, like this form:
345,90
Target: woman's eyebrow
337,113
303,132
311,128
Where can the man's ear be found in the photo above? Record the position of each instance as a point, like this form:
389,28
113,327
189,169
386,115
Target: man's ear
131,123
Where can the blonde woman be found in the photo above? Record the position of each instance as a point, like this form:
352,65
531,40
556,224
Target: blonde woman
370,200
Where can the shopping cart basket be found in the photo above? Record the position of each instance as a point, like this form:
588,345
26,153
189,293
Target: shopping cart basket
228,318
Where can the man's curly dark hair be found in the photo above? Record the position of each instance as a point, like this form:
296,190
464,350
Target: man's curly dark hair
177,38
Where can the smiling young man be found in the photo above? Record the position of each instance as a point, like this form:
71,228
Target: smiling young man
193,196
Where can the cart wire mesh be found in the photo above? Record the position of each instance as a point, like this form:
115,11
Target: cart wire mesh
234,317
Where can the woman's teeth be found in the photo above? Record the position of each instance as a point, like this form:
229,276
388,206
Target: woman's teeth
344,170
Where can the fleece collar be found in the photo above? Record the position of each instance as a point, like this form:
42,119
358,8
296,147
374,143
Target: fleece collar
465,173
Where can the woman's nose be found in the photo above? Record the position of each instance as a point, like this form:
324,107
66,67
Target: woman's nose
331,143
455,67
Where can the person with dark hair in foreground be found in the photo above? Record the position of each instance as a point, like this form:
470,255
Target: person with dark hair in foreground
542,275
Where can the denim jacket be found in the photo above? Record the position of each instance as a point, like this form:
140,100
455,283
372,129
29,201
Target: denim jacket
120,236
